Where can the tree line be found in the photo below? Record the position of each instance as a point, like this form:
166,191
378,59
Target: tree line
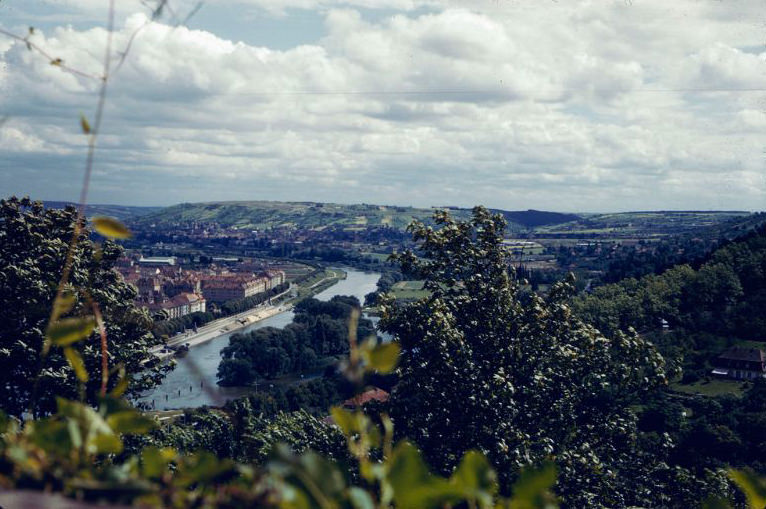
319,329
706,309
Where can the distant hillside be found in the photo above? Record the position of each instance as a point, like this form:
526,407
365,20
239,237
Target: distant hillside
269,214
646,223
534,218
122,212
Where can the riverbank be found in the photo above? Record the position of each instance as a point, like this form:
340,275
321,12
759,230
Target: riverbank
225,325
233,323
193,382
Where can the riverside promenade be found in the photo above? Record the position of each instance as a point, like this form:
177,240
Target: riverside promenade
221,326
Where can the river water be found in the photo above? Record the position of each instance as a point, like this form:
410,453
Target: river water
193,382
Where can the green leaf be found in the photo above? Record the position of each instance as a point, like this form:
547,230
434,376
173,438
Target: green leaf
344,419
383,357
121,387
51,435
475,476
111,227
130,421
75,436
106,444
75,361
532,489
413,485
753,487
155,460
84,124
360,499
70,330
64,304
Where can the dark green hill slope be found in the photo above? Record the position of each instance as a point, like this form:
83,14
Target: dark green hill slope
122,212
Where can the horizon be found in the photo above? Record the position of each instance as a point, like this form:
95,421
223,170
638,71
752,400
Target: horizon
591,212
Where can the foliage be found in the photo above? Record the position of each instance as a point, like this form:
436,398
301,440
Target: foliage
319,329
707,309
33,248
522,380
77,451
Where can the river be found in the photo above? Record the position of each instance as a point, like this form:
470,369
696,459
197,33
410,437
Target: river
193,382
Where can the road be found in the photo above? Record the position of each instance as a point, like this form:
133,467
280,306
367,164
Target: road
215,328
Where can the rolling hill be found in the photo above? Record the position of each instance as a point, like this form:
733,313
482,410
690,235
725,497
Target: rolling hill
269,214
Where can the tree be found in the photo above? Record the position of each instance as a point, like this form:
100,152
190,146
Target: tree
519,380
33,247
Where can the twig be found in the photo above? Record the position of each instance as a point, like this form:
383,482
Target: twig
79,223
54,61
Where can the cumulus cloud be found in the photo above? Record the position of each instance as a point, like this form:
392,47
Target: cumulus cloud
583,106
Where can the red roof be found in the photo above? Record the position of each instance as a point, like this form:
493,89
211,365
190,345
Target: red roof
367,396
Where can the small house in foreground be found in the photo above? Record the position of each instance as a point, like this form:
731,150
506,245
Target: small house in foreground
741,363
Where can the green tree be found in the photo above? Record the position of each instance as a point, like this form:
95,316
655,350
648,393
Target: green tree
33,248
519,380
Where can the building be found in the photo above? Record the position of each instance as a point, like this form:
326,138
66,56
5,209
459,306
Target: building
232,286
180,305
187,283
157,261
275,277
741,363
148,286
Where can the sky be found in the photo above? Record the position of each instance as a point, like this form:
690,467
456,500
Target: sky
565,105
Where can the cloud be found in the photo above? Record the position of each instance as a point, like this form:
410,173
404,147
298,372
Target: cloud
586,106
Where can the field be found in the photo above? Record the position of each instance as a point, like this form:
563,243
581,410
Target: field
382,257
715,387
409,290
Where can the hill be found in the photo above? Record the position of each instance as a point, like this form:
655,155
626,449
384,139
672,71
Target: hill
644,223
533,218
121,212
271,214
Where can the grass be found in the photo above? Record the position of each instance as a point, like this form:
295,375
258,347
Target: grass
715,387
409,290
377,256
318,283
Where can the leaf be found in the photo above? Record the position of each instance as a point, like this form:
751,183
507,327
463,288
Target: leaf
75,361
70,330
344,419
98,437
57,62
155,460
130,421
84,124
475,476
64,304
753,487
383,357
106,444
413,485
111,227
121,386
532,489
360,499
